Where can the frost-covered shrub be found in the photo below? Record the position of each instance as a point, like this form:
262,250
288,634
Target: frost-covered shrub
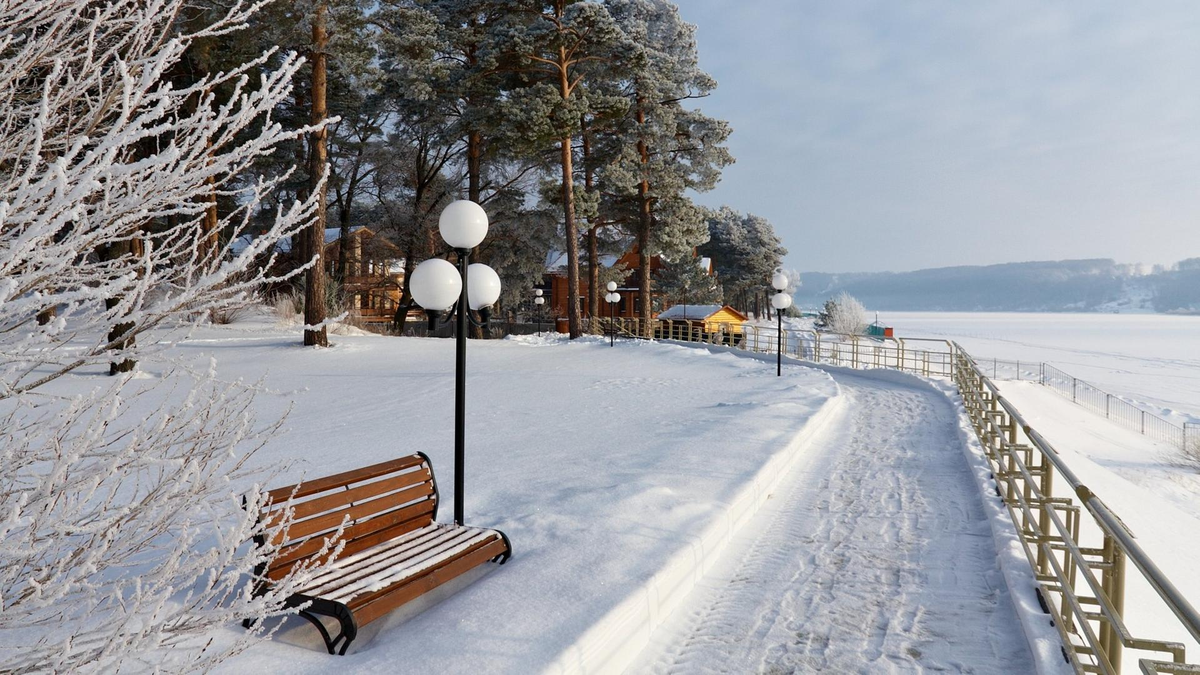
121,529
287,307
843,314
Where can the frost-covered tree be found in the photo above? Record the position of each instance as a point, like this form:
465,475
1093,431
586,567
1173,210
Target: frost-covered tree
685,282
843,314
668,149
120,534
559,47
745,252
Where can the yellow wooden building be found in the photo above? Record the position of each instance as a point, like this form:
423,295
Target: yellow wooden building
706,318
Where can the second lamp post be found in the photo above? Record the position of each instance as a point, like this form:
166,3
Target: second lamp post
780,301
613,298
437,286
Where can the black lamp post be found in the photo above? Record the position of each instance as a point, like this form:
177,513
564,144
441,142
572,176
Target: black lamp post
780,301
438,286
613,298
538,301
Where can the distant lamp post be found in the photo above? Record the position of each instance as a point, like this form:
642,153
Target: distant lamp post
613,298
538,301
780,301
438,286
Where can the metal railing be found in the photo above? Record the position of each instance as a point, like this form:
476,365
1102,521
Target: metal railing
915,355
1082,586
1080,565
1093,398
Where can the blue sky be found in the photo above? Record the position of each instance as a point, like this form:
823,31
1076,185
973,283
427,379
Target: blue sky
907,134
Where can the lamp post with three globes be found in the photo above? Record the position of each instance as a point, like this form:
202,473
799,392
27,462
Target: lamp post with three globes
437,286
613,297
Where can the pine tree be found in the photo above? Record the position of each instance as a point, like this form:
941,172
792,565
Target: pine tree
668,149
745,252
685,282
559,47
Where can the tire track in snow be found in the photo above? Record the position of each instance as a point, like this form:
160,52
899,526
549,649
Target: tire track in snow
874,557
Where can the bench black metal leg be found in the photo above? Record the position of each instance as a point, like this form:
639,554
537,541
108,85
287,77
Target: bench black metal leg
329,644
503,557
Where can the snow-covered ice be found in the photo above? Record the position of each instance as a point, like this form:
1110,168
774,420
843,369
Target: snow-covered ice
1149,359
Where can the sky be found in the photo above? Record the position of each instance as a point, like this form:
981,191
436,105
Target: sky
903,135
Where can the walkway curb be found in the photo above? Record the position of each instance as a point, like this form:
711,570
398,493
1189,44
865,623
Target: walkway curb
614,642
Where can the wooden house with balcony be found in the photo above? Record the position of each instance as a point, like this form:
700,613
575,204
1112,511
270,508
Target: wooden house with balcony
555,283
374,272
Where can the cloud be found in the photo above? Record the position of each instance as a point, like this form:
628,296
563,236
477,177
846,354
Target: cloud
955,133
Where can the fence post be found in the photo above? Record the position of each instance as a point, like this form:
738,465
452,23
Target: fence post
1143,422
1018,370
1074,389
1042,377
1108,405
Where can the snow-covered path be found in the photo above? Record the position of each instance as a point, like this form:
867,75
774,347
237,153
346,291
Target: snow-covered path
874,556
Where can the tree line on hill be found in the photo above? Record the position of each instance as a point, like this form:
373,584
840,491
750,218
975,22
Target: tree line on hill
573,123
1067,285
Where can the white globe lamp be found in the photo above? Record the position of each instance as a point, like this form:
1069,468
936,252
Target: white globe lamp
463,224
436,284
612,286
483,286
779,281
781,301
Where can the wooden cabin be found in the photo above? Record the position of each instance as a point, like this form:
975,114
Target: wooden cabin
374,272
709,318
555,283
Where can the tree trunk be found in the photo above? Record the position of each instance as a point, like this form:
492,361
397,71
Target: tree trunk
593,245
572,234
643,231
314,291
119,329
406,299
343,265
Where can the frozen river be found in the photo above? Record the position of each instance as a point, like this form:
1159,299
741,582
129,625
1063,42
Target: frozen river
1150,358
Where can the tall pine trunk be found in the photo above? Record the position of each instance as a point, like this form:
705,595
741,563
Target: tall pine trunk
475,194
314,287
568,197
593,245
645,218
572,234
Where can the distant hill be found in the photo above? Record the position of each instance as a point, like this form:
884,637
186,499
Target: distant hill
1100,285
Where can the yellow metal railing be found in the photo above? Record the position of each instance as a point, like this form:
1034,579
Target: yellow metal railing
1081,584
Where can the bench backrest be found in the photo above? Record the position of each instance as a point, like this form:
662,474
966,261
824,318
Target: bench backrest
378,503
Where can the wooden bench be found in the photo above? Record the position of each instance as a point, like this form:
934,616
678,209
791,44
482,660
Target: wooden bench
393,550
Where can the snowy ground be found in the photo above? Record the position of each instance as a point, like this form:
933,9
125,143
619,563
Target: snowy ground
604,466
875,556
1134,475
622,476
1150,359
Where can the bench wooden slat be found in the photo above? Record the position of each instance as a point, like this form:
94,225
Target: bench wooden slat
311,507
420,513
310,487
367,608
403,563
330,521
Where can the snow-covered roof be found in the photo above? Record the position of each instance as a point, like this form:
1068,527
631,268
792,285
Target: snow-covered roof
332,234
690,312
556,260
